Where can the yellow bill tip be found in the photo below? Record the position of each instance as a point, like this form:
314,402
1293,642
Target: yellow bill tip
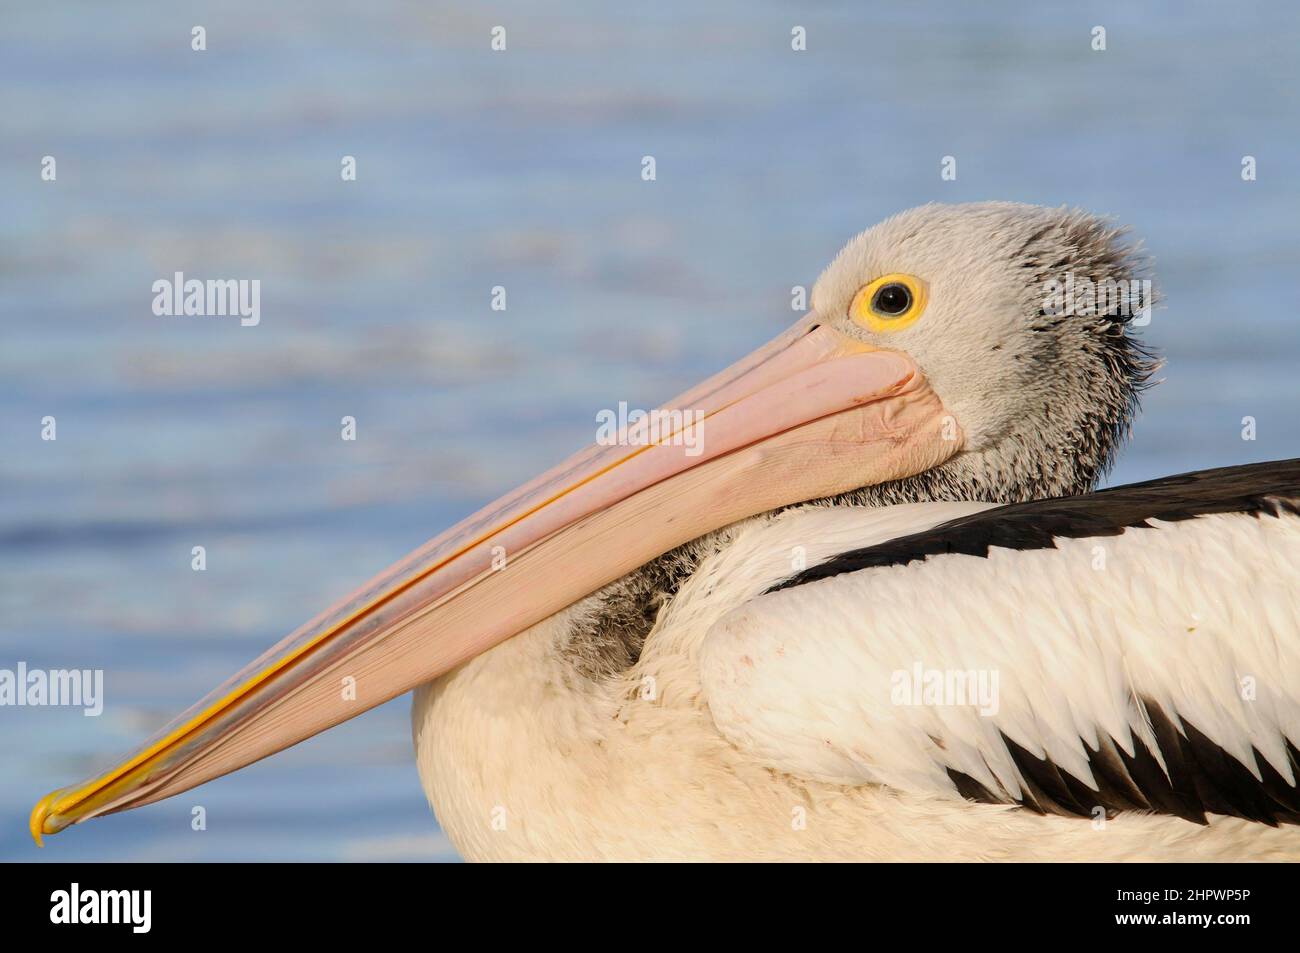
41,823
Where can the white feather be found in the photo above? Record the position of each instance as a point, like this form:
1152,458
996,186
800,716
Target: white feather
1180,614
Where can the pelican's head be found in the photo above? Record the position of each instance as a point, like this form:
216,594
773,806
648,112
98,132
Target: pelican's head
1019,316
937,361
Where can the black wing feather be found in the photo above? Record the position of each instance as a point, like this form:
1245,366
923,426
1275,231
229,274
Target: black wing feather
1253,488
1199,778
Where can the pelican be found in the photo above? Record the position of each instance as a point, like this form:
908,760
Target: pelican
872,610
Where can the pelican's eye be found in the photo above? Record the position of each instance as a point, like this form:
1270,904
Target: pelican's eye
891,300
890,303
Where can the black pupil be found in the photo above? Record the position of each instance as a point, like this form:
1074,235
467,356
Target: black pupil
892,299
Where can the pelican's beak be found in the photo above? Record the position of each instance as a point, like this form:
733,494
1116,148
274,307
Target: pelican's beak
809,415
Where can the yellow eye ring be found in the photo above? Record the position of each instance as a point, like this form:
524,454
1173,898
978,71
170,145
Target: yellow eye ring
890,303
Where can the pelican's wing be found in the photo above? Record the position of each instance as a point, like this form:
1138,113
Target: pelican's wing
1137,648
